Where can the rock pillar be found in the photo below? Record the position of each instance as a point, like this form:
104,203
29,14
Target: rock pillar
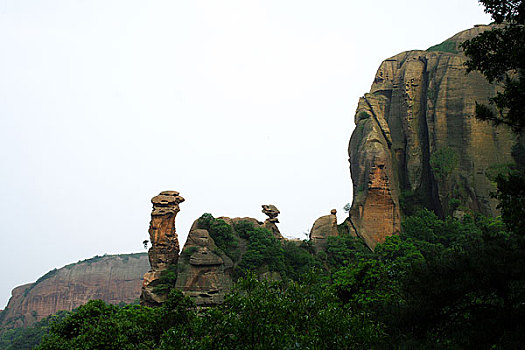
164,249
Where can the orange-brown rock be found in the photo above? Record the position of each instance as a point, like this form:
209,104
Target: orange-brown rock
324,227
420,113
164,249
112,278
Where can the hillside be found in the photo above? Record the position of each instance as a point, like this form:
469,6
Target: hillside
112,278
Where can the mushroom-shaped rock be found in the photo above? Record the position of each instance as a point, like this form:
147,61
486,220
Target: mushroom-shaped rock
272,212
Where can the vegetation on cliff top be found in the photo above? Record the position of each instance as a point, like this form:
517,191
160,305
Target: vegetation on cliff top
445,46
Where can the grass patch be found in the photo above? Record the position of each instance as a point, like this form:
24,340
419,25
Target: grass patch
445,46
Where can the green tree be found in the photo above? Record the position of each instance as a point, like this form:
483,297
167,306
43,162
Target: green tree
261,314
499,54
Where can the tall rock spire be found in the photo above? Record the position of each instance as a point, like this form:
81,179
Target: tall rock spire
164,249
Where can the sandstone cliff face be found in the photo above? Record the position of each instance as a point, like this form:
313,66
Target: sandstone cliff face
204,272
416,139
164,249
112,278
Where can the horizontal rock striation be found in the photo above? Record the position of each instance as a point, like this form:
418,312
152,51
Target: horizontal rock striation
164,249
418,143
112,278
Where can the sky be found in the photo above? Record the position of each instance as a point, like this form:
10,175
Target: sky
235,104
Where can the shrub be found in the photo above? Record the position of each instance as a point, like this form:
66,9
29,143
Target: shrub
166,280
443,162
222,234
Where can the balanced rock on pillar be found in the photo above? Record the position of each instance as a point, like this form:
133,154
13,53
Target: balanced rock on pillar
272,212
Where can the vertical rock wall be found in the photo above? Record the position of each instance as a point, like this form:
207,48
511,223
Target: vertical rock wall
416,141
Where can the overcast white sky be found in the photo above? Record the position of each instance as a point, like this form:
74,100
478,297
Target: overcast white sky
103,104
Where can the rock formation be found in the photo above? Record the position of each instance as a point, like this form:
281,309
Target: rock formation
416,140
324,227
204,272
112,278
272,212
164,249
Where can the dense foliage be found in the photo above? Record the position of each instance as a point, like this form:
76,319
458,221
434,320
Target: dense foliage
222,235
443,283
27,338
258,314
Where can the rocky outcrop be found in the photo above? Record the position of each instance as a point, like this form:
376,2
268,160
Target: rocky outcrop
207,269
165,248
112,278
324,227
204,272
271,223
417,142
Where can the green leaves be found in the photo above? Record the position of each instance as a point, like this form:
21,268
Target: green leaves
443,162
222,234
499,54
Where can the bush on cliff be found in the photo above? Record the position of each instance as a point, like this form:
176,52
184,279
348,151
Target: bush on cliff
222,234
265,252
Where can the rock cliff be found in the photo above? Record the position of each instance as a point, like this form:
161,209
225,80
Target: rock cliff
164,249
112,278
417,142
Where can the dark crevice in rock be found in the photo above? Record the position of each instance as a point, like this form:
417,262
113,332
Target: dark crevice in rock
387,139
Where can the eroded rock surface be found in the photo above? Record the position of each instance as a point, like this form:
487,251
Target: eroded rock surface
165,248
271,223
112,278
324,227
204,272
416,123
